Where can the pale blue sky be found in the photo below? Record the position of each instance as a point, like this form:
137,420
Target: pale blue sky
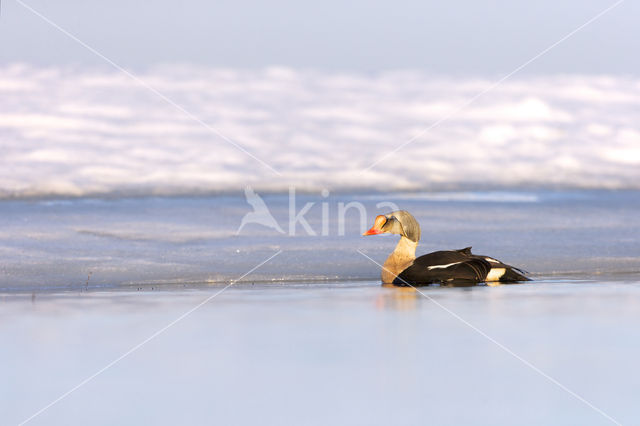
445,37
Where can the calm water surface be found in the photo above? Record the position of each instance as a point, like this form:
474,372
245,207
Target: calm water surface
339,353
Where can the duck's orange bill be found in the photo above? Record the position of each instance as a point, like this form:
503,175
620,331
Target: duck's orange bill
377,226
373,231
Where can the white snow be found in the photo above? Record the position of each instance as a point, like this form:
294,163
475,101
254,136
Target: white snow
75,131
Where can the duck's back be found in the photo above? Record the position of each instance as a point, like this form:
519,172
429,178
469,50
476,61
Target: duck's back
444,266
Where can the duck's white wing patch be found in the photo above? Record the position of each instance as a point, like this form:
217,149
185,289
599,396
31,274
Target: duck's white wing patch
491,259
442,266
495,274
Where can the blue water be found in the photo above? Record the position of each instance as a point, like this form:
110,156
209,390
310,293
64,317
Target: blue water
141,242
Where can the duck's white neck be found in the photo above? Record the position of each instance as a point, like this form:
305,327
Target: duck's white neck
399,260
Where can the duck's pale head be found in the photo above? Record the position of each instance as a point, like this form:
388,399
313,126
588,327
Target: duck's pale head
400,222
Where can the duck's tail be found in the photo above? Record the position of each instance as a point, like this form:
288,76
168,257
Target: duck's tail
514,274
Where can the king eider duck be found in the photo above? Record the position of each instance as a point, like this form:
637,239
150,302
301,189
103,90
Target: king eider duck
403,268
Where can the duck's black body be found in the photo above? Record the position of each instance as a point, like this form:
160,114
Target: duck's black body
457,267
403,268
